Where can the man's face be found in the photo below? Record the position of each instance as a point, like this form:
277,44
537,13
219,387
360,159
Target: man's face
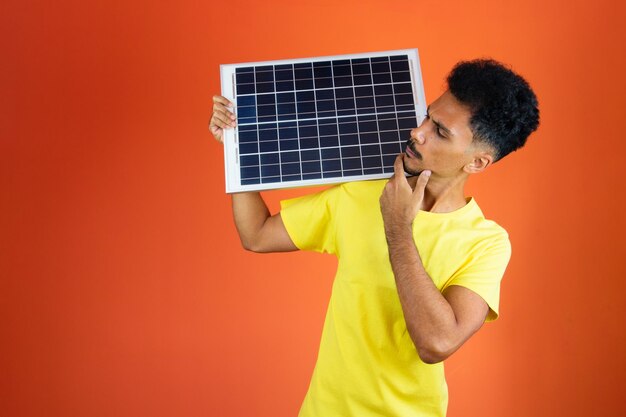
443,143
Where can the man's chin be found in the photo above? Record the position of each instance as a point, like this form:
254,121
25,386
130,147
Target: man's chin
409,170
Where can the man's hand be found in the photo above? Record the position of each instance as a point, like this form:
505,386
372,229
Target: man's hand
222,118
399,203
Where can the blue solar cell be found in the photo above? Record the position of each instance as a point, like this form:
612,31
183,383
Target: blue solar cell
289,157
387,124
244,120
382,78
309,143
245,78
345,104
310,155
313,176
264,87
323,72
290,169
400,65
282,98
270,170
264,76
246,101
373,171
352,172
303,73
287,109
348,127
311,167
342,70
284,75
331,165
331,174
343,81
371,137
363,69
362,79
249,160
250,172
402,88
271,146
288,132
348,140
306,107
344,93
244,69
407,122
330,153
250,181
289,145
350,152
391,148
326,130
327,141
248,136
378,67
365,102
383,90
246,148
308,131
390,159
284,85
287,178
371,161
270,158
352,163
269,180
245,89
268,110
404,99
268,133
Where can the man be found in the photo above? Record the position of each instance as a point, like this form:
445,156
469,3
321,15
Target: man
419,266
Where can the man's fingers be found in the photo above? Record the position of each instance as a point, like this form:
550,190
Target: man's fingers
420,185
221,109
222,120
222,100
398,166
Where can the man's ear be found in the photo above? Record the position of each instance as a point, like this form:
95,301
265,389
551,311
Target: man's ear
480,162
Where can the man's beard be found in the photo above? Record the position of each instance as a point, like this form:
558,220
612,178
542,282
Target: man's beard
412,172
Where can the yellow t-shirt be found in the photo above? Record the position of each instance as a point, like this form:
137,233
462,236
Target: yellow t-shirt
367,364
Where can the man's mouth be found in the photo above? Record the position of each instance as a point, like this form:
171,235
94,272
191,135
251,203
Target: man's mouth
412,153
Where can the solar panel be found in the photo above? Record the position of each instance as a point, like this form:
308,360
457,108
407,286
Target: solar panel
320,120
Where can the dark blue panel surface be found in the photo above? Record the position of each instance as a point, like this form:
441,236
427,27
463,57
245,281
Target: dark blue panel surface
324,119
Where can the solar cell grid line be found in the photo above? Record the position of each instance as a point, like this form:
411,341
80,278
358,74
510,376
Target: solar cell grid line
320,120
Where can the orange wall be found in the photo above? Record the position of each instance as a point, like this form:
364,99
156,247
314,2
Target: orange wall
123,288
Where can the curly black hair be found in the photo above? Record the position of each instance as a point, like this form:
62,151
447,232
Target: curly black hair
504,107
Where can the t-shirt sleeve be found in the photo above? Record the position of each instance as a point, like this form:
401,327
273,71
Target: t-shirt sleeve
310,220
483,271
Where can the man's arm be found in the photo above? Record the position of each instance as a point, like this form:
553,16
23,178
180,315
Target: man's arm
258,230
437,323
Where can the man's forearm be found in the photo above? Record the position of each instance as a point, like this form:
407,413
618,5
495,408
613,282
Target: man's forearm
429,317
250,213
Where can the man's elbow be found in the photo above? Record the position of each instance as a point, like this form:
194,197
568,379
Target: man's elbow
434,351
432,356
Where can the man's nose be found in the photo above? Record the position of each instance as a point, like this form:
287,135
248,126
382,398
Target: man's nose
417,135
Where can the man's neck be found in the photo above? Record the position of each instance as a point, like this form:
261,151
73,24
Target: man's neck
443,195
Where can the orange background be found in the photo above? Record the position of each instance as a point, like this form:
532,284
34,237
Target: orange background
123,288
